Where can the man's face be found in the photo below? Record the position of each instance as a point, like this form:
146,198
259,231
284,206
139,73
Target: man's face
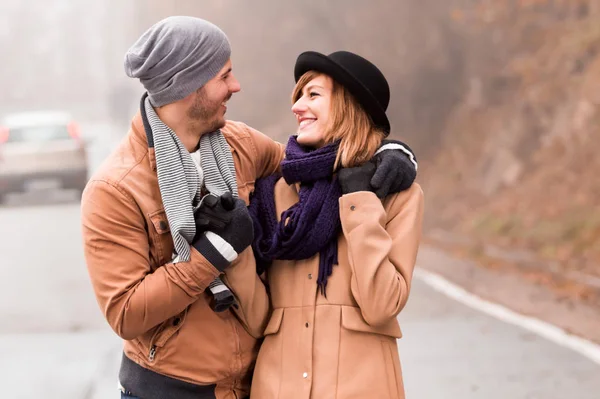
209,105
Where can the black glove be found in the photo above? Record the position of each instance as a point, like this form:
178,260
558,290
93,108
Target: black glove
238,232
214,214
395,170
357,178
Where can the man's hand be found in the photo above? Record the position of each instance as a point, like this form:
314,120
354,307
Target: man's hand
239,232
357,178
228,230
396,168
214,213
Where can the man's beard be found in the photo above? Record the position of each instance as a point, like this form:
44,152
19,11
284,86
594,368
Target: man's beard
207,112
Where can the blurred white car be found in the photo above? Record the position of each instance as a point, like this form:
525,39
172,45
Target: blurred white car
41,151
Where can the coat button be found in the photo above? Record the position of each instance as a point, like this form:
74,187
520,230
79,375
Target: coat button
352,208
305,375
310,276
163,225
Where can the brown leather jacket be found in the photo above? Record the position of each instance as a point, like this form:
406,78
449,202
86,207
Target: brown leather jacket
161,309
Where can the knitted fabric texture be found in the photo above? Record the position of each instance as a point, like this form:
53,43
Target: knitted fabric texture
219,177
310,226
179,184
176,57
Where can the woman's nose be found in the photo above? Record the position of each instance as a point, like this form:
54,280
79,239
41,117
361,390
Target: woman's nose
299,106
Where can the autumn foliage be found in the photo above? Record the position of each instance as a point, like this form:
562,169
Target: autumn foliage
520,156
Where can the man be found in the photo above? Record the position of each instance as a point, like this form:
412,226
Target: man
151,245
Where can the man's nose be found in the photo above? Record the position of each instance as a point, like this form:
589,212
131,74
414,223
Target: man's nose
234,85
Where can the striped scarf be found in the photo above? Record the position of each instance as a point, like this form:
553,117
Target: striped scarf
180,185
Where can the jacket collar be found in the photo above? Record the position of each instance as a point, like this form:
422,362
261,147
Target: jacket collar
142,132
145,123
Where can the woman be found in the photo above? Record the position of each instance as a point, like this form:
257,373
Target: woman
339,260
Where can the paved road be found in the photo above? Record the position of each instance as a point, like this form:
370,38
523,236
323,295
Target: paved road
53,340
451,351
54,343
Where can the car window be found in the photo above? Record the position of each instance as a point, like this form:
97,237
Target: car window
37,134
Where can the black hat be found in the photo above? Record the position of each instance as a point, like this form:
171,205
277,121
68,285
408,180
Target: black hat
363,79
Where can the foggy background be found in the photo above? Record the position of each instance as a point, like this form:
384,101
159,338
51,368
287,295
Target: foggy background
498,99
70,55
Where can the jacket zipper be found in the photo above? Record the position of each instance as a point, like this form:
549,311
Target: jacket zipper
152,353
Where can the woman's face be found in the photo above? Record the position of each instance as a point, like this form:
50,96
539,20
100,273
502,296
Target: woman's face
312,111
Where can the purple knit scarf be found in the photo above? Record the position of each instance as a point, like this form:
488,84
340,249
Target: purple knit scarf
311,225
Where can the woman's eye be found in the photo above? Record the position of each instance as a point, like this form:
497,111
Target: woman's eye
313,94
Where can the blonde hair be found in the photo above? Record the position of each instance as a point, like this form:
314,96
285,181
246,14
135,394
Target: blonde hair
348,122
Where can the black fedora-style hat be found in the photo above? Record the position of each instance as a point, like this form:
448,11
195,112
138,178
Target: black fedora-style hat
360,76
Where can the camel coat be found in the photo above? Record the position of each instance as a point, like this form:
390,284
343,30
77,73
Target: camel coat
342,346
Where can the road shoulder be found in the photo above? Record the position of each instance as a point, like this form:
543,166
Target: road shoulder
512,289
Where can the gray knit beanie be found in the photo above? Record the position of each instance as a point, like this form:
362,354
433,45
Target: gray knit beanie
176,57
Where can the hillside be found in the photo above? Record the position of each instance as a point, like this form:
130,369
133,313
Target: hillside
518,164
